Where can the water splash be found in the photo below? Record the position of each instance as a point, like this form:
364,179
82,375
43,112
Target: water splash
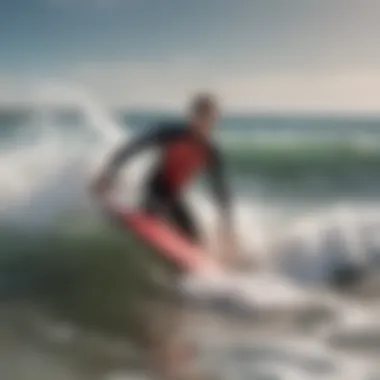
41,180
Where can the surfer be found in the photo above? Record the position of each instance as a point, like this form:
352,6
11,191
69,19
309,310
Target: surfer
187,149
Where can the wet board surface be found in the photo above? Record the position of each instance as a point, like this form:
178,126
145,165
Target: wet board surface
208,281
166,240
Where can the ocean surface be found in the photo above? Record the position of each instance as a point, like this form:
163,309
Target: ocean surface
307,210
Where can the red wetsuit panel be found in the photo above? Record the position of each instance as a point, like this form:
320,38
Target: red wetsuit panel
182,159
183,156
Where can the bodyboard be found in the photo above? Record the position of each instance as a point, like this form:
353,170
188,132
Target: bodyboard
166,241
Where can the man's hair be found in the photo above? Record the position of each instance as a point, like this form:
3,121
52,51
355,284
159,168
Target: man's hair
203,103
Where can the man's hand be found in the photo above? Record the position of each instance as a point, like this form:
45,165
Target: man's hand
228,247
230,251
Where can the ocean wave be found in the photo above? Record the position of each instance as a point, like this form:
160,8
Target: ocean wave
90,274
332,160
79,268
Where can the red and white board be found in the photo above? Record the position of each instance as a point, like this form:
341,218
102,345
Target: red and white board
166,241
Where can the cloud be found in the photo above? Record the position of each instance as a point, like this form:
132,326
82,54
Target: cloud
168,84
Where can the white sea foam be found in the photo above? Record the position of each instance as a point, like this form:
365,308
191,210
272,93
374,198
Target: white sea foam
41,180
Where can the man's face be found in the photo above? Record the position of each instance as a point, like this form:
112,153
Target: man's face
205,122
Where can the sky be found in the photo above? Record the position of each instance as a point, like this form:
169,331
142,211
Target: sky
256,55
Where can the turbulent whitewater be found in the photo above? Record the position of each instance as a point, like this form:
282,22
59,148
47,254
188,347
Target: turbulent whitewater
294,317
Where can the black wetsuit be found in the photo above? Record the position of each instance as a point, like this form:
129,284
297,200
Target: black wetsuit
183,155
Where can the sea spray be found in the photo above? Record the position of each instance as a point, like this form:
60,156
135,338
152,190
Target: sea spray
45,184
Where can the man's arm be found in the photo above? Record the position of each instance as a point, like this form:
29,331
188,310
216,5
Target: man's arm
219,184
130,149
159,136
228,245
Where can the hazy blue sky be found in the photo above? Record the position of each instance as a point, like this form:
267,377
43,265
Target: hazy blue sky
257,54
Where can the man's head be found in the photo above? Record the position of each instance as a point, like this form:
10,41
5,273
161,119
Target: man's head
204,113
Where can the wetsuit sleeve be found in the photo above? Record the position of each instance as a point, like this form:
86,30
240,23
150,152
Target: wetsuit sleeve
219,184
157,137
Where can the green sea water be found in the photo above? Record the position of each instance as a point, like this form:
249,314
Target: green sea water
84,270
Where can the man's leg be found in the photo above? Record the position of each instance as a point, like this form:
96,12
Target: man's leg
170,355
182,218
182,353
